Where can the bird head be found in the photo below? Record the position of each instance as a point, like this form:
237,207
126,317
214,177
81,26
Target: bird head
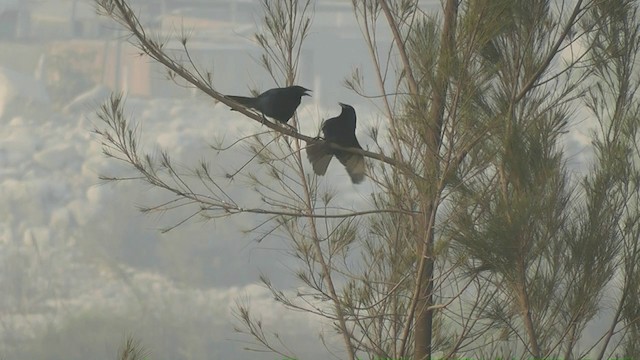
301,90
347,108
348,113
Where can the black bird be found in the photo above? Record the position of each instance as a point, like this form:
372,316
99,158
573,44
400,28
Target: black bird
278,103
340,130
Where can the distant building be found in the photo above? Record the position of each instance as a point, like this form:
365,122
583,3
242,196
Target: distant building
55,20
14,19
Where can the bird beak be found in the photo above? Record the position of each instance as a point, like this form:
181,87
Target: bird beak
305,93
341,104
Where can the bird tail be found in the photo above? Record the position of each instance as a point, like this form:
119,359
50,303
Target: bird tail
354,163
319,157
249,102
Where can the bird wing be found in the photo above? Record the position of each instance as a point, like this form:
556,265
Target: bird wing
354,163
279,103
329,128
319,157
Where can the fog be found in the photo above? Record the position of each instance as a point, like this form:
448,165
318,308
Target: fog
80,267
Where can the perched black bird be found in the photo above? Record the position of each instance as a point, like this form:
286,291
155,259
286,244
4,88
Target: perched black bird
342,131
278,103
